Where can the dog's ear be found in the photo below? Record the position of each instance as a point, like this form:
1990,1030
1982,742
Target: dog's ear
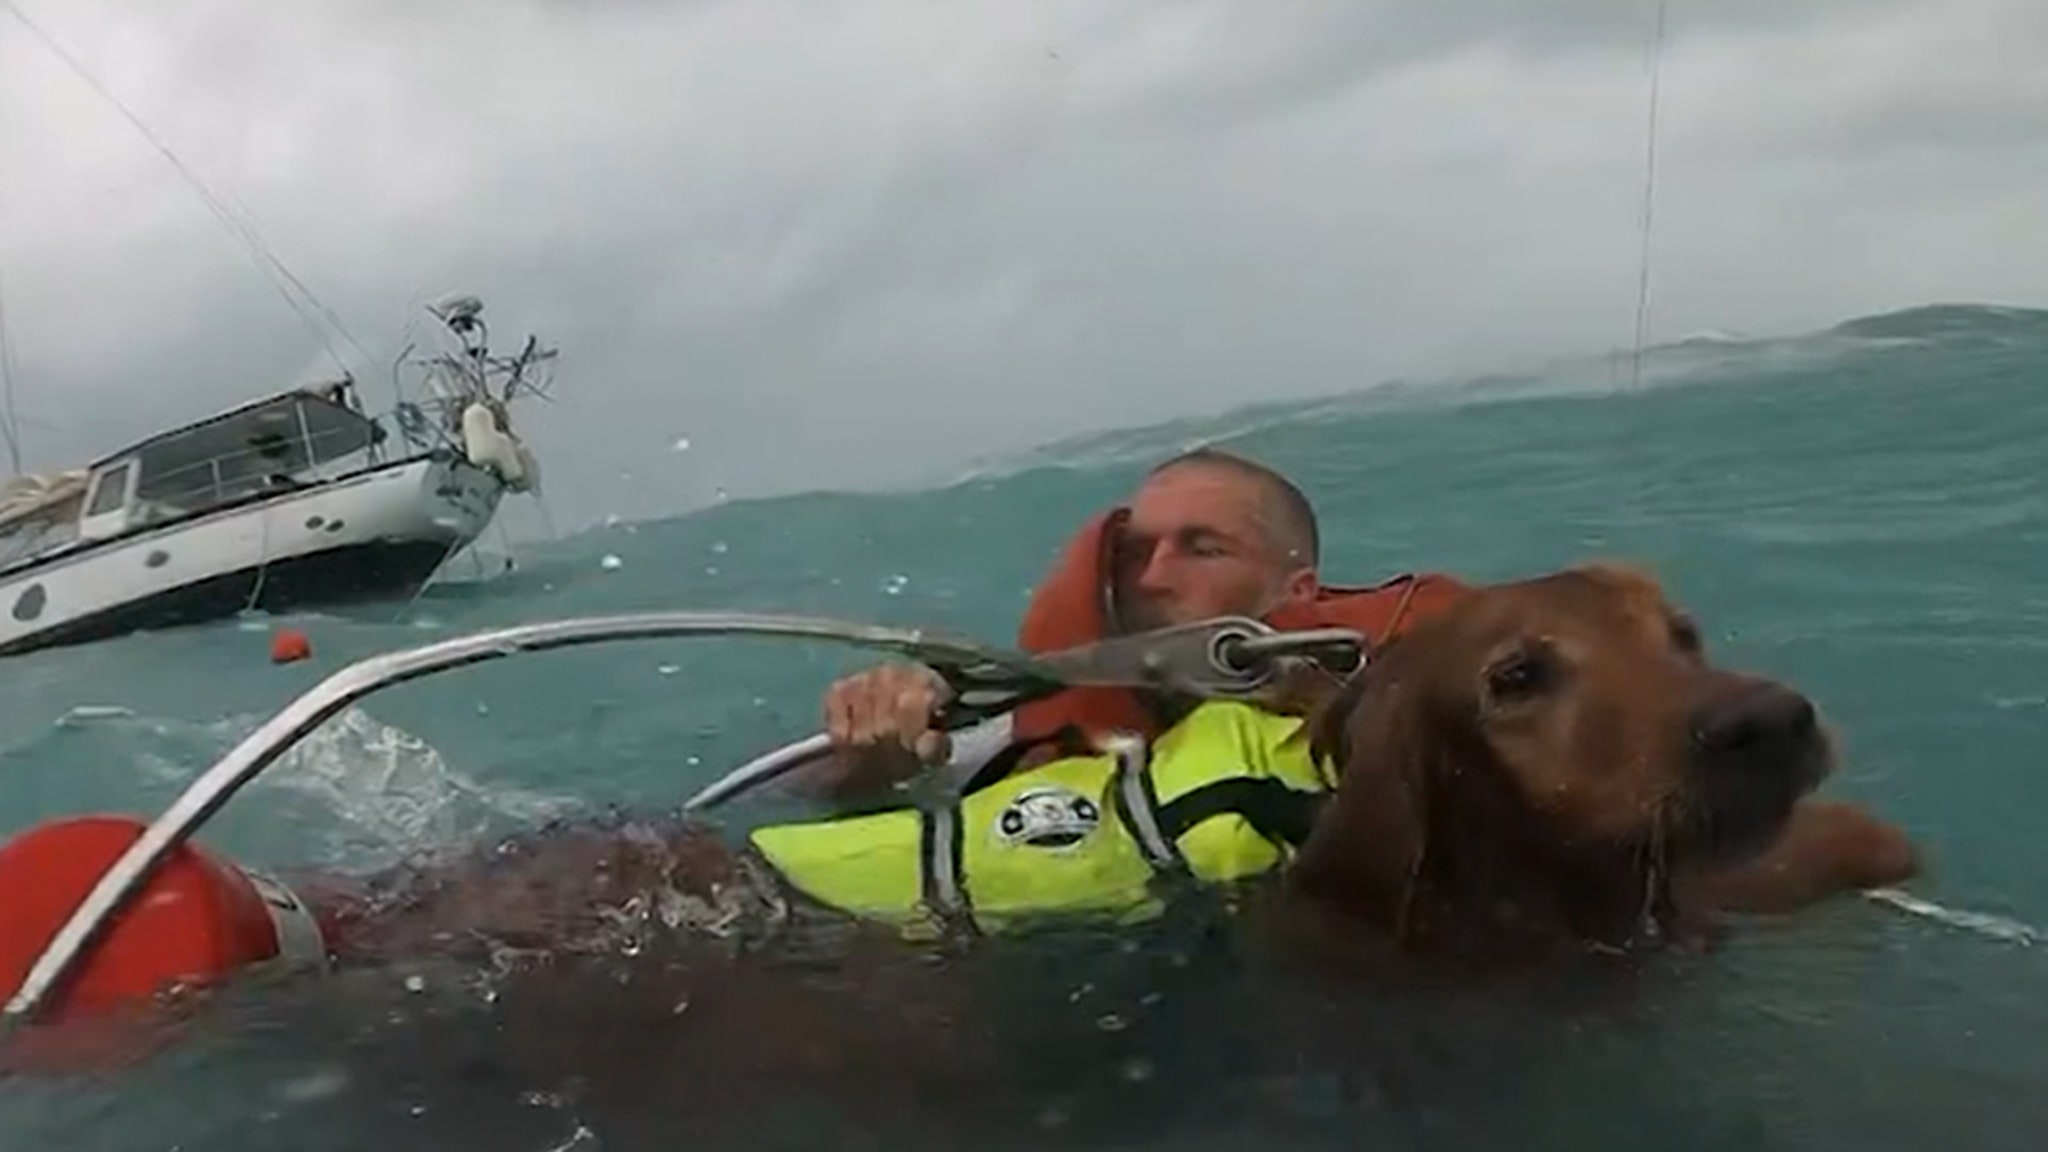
1370,843
1330,725
1331,722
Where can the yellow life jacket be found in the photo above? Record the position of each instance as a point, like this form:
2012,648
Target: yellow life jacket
1229,792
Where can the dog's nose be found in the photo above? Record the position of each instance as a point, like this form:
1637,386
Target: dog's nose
1756,719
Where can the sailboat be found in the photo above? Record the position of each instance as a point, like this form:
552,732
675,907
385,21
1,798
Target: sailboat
294,499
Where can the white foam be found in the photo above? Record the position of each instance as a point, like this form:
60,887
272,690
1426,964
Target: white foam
1983,923
88,713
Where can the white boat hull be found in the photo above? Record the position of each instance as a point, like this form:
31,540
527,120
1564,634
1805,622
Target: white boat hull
377,535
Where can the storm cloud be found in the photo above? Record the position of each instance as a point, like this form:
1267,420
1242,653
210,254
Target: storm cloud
857,242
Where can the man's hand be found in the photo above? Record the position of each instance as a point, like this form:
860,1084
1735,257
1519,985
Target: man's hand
882,722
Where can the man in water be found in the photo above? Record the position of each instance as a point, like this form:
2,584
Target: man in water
1209,534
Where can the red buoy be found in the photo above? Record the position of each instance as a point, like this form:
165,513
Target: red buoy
289,645
197,920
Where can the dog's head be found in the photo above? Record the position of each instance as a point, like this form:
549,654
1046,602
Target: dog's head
1559,730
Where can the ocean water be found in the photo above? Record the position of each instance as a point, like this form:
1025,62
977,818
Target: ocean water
1862,510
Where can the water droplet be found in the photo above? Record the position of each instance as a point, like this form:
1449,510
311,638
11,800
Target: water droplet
1138,1070
682,444
415,983
720,547
1111,1022
610,563
719,495
682,1005
579,1141
668,669
319,1084
711,569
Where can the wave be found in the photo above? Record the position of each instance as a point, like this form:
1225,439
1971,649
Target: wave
1938,322
1111,458
1703,357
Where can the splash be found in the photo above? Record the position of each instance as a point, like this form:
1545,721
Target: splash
398,792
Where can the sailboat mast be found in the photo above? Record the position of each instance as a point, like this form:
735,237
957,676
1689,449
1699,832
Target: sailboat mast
10,419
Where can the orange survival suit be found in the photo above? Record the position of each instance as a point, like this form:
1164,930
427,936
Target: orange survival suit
1074,606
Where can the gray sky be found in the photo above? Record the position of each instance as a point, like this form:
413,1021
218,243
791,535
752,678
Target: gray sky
852,242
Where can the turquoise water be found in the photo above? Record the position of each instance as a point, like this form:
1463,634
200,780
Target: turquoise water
1862,510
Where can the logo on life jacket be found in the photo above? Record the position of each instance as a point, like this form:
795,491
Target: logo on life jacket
1048,817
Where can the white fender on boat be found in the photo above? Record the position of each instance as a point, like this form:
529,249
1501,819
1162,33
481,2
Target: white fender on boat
489,446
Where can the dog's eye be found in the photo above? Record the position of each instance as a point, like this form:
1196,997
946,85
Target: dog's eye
1520,675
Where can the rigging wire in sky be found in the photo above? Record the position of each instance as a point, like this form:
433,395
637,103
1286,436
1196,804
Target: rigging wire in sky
1649,195
310,310
10,420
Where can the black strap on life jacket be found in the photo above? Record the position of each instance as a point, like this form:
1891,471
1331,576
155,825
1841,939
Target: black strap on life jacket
1280,813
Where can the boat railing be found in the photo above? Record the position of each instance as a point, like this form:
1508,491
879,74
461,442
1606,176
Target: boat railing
229,477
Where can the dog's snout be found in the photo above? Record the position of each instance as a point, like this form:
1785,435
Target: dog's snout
1758,718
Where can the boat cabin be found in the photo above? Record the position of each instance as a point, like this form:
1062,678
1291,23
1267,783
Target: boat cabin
276,444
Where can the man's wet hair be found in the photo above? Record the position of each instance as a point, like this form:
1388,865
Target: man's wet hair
1293,515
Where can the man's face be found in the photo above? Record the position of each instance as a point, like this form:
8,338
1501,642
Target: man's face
1199,545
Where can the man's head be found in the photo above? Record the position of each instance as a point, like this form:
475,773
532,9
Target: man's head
1214,534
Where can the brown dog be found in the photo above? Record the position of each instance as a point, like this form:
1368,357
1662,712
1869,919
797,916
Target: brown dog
1555,763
